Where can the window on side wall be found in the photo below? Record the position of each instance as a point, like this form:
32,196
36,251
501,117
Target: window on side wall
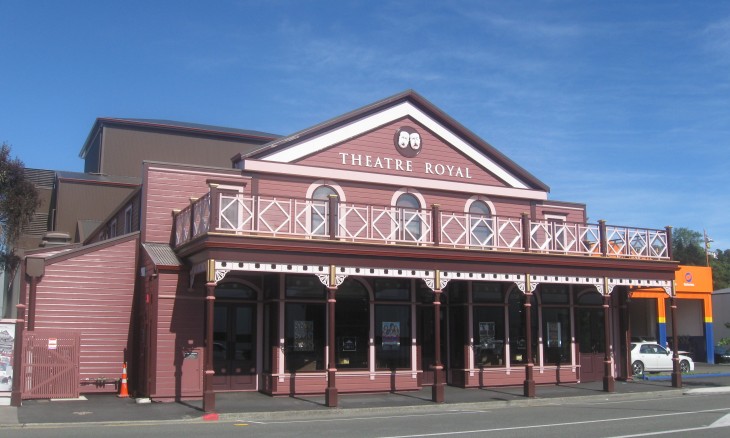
128,227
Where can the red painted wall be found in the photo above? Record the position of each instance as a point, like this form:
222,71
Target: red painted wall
92,292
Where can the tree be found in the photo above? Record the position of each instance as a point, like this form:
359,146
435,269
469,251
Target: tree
18,202
688,247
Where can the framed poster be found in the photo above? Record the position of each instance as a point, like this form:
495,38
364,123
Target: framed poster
486,332
553,335
349,343
303,335
391,335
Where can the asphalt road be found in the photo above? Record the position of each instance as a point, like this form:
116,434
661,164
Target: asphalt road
678,415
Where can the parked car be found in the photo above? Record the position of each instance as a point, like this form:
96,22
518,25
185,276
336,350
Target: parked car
722,354
652,357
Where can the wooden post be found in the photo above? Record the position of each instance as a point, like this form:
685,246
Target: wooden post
208,394
529,384
331,396
16,396
436,224
332,217
670,253
676,372
526,233
608,380
214,220
437,390
603,244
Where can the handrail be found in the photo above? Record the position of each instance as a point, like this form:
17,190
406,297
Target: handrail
237,213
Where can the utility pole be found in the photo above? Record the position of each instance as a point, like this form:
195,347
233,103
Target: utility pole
708,240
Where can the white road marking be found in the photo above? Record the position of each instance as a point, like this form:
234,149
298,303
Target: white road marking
327,420
573,423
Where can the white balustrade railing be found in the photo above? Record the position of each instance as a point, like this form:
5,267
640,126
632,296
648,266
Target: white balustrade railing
565,237
243,214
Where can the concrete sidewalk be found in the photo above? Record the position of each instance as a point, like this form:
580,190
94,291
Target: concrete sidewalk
251,406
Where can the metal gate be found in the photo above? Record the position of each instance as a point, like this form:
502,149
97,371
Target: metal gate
50,364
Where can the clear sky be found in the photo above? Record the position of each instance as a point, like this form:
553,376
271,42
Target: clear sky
622,105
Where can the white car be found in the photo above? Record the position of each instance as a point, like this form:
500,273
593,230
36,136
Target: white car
650,356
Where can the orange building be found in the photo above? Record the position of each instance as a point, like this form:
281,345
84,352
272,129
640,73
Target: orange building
650,315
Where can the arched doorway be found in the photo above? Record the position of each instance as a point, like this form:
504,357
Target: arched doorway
234,337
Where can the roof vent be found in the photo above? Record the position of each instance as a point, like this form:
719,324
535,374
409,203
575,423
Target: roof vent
54,238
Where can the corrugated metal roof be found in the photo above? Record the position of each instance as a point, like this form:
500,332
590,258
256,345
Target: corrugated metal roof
100,178
41,177
161,254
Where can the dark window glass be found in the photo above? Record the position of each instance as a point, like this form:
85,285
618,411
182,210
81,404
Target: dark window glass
457,336
517,330
352,321
271,345
556,335
304,286
489,335
590,299
554,294
456,291
235,291
485,292
305,337
392,336
392,289
271,286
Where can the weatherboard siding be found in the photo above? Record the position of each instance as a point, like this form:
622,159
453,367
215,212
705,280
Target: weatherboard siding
380,143
92,293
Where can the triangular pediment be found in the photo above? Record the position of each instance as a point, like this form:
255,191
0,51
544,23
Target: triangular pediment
406,136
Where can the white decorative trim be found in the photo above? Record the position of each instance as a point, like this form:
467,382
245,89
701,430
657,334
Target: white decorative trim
329,183
220,274
402,191
324,279
482,276
393,180
565,279
324,141
271,267
482,198
632,282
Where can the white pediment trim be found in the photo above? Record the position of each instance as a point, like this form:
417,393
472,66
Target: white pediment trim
394,180
366,124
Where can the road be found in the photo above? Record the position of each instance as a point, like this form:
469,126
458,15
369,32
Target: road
679,415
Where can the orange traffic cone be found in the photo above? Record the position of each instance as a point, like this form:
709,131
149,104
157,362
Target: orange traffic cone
123,391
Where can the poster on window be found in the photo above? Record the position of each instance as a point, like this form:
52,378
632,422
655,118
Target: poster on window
553,335
349,344
391,335
486,333
303,335
7,344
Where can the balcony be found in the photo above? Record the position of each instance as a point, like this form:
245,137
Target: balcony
229,212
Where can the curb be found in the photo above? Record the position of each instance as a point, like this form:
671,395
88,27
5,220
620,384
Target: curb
421,409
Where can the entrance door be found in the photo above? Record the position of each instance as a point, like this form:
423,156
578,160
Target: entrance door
234,346
591,342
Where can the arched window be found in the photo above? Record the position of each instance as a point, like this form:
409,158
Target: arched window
409,219
318,220
481,229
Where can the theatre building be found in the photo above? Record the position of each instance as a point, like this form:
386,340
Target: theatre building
384,250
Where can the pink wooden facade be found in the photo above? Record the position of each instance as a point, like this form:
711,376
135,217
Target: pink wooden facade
284,273
100,311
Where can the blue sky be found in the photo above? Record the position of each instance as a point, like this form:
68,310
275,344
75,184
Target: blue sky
622,105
